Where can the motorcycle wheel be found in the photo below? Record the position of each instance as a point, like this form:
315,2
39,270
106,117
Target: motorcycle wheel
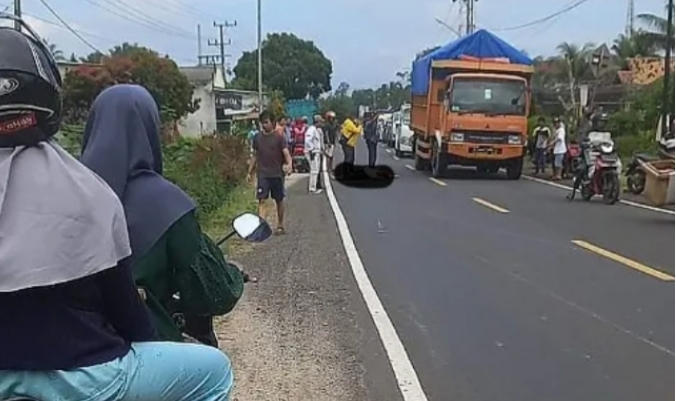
610,188
586,192
636,182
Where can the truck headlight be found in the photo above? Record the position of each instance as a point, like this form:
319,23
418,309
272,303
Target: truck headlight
514,140
404,140
457,137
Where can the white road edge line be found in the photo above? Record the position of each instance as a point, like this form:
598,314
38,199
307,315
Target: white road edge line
624,202
407,378
408,166
396,158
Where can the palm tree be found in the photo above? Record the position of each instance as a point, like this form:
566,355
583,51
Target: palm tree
56,52
631,46
576,66
657,35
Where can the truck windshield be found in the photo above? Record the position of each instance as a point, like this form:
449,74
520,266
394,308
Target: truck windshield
491,96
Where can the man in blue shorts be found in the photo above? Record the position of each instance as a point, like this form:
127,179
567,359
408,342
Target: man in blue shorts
271,161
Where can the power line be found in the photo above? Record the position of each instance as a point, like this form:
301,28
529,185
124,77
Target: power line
81,32
65,24
139,22
126,6
545,19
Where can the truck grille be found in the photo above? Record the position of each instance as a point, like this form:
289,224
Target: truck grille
495,138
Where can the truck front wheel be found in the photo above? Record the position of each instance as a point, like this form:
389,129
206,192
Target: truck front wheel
438,161
419,163
514,169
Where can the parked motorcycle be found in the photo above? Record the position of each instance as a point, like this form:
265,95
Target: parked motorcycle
600,172
636,176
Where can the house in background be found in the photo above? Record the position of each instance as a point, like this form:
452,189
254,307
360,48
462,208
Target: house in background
218,107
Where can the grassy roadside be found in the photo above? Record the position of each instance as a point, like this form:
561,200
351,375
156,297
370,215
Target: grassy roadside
219,223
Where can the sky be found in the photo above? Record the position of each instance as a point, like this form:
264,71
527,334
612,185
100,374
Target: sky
368,41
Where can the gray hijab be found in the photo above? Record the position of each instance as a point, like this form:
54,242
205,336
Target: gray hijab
122,145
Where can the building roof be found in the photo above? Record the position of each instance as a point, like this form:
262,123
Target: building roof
198,74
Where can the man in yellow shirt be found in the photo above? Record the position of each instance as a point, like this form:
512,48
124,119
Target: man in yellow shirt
350,132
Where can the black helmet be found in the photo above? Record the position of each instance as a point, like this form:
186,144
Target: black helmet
30,88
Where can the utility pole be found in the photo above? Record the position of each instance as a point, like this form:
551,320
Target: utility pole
666,99
259,39
221,43
199,45
17,13
469,15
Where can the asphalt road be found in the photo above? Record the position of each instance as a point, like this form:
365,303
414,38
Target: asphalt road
494,301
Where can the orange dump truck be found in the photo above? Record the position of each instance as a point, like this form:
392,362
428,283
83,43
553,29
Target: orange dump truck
470,103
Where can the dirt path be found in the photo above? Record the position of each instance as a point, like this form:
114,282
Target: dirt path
300,333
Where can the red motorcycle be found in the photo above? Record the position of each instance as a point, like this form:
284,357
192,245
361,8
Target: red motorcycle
604,180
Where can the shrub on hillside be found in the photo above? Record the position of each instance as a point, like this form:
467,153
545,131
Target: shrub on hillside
207,168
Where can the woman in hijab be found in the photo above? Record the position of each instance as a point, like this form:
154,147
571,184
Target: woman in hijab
73,324
122,145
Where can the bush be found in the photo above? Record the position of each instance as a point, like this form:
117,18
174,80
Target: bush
627,145
207,168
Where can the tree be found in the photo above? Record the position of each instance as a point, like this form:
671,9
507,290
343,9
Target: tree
93,58
56,52
657,35
637,44
294,66
130,64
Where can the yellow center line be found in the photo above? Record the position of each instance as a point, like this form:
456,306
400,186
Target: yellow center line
438,182
632,264
490,205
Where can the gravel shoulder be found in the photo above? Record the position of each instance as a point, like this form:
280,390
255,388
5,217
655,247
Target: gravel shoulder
302,332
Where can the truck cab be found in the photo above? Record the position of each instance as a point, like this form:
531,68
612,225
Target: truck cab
470,103
484,119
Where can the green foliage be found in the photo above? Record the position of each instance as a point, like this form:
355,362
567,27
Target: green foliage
208,169
642,142
294,66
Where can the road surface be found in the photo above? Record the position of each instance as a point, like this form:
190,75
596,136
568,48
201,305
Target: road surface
503,290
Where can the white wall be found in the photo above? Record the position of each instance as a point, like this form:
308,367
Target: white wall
203,121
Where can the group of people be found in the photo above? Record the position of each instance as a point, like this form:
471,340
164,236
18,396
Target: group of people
93,250
543,141
275,145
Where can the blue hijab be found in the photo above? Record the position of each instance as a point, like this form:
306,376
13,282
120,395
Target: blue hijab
121,144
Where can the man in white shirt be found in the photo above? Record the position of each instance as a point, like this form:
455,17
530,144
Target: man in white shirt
313,152
559,147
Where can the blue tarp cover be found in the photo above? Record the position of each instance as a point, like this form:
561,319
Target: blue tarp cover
481,43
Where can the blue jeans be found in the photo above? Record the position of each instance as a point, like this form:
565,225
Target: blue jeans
540,159
149,372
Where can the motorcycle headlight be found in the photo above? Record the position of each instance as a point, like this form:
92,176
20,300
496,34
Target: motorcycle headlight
606,148
514,140
457,137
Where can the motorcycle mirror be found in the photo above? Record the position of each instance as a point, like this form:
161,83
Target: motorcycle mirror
251,227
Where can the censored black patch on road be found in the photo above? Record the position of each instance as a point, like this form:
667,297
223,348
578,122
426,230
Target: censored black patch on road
359,176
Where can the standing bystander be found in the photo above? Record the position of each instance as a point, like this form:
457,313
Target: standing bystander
541,136
313,152
271,161
559,147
